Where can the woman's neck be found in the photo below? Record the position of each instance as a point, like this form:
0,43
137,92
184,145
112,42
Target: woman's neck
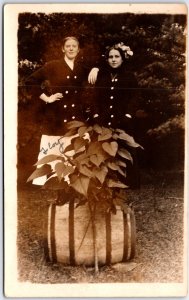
70,62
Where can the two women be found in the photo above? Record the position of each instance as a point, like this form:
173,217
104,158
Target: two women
61,88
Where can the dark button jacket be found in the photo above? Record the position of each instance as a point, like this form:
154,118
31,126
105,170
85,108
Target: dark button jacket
57,77
117,98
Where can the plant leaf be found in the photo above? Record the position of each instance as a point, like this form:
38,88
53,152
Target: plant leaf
75,124
110,148
78,143
121,163
97,128
81,185
69,148
112,166
97,159
85,171
129,140
125,153
81,159
105,135
62,170
54,184
82,130
48,158
94,148
111,183
100,173
44,170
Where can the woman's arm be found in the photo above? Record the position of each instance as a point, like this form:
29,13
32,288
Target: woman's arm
92,77
52,98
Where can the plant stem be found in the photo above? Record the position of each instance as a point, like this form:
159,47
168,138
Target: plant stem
93,213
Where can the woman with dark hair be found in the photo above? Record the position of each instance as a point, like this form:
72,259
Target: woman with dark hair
117,99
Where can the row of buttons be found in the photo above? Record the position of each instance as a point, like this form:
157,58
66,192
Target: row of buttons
68,77
65,120
65,105
66,92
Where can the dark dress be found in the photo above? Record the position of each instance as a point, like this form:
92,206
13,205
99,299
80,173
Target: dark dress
117,100
50,119
57,77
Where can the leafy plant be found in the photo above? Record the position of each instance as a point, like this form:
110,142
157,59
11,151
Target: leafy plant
94,165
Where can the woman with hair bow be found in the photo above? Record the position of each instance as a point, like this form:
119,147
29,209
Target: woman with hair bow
117,99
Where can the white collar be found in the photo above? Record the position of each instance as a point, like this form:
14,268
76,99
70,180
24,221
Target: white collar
69,62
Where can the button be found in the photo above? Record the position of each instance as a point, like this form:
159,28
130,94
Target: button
66,92
128,116
75,92
112,116
109,123
73,117
116,79
112,87
111,106
75,77
68,77
113,80
73,105
65,121
65,105
111,97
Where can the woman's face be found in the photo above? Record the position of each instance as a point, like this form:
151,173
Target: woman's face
114,59
71,48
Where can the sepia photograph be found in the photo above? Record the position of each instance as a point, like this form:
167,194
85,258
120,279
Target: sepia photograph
95,155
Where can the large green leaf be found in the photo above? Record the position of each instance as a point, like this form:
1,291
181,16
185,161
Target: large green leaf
111,183
62,170
110,148
126,154
49,158
81,185
44,170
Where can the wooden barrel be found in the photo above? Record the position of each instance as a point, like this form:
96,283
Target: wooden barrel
70,237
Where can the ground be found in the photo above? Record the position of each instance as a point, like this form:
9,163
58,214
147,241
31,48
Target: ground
158,207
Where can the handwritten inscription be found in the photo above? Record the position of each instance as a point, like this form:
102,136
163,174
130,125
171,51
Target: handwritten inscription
53,145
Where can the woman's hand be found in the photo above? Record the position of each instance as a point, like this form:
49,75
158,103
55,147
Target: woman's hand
52,98
92,77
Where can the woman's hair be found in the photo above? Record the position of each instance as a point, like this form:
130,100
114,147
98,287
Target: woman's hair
122,53
124,50
69,38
